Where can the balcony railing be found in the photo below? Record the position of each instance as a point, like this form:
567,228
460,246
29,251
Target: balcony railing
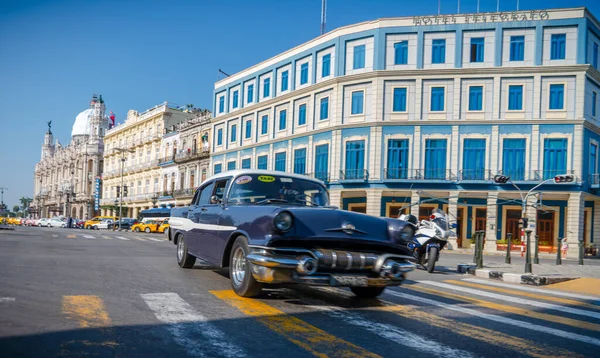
322,176
595,180
354,174
515,175
475,174
419,174
191,155
396,173
540,175
183,193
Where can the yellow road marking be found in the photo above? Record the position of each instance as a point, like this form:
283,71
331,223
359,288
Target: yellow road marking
71,236
479,333
511,309
565,301
581,285
89,311
309,337
107,237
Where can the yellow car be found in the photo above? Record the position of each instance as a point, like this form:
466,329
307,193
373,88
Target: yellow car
164,226
96,220
148,226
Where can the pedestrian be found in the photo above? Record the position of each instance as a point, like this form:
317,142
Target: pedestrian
522,247
70,222
565,248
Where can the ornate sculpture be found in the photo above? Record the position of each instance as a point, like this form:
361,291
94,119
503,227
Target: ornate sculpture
49,126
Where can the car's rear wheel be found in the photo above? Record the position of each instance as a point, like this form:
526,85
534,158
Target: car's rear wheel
137,229
184,259
242,281
147,230
367,292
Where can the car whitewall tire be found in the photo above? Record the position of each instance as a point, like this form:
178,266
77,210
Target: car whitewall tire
242,281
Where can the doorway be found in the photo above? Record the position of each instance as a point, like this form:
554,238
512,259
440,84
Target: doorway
512,225
545,230
393,210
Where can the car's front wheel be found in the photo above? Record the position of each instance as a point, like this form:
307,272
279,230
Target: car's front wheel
147,230
367,292
137,229
242,281
184,259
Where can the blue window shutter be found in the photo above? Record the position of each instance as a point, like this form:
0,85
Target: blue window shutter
248,129
322,162
262,162
474,159
302,115
217,169
250,98
515,97
221,104
437,99
280,162
594,100
513,158
595,55
397,161
401,53
399,100
246,163
324,111
235,99
284,81
219,136
475,98
555,157
300,161
557,96
267,87
438,51
326,67
593,166
355,159
233,133
357,102
558,46
304,73
231,165
435,159
359,57
264,124
282,119
517,48
477,49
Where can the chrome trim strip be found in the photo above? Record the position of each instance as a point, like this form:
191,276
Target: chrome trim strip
362,261
334,256
349,256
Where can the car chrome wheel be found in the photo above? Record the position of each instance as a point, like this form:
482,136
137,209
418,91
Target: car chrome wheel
239,266
180,249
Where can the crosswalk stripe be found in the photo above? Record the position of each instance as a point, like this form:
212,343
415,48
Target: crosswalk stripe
88,236
517,300
106,237
122,238
54,235
152,238
170,308
89,311
139,238
7,299
564,301
513,322
309,337
532,289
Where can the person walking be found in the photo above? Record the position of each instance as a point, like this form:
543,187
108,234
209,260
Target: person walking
564,248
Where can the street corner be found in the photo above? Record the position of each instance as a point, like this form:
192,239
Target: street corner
585,285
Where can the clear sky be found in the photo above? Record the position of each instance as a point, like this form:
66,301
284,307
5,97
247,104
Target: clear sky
54,54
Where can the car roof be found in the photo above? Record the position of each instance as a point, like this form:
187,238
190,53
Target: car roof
239,172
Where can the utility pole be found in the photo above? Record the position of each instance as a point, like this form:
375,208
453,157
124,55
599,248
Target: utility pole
2,198
122,151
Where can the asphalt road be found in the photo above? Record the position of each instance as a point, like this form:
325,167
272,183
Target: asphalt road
95,293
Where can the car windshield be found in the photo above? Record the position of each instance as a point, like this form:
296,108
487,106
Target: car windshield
264,189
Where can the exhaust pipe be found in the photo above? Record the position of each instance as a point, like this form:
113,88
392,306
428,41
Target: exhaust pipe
306,265
394,269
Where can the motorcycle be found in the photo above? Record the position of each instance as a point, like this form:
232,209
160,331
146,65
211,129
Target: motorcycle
431,236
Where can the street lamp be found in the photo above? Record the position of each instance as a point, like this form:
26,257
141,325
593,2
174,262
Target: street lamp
122,151
154,200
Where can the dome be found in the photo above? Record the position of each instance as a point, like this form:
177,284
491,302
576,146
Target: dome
82,123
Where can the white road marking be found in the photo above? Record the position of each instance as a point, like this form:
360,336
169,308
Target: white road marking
122,238
107,237
139,238
531,289
54,235
88,236
185,324
513,322
517,300
153,239
7,299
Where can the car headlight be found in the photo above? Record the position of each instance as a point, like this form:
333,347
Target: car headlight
406,234
283,221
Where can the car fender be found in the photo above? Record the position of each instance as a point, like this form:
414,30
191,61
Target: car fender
230,240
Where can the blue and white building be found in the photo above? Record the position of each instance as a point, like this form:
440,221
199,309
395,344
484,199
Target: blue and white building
417,113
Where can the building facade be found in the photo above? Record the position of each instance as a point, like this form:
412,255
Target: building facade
411,114
65,176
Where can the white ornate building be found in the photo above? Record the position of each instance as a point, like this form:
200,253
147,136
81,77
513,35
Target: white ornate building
65,175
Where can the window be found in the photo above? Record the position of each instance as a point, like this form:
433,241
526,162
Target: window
324,109
473,159
248,129
397,159
515,97
477,49
326,67
357,102
475,98
513,158
359,57
217,169
221,104
233,133
264,124
262,162
438,51
594,103
231,165
555,157
321,162
437,99
220,136
557,46
302,115
517,48
282,120
401,53
399,100
355,160
267,87
595,55
250,94
300,161
593,169
284,81
246,163
557,96
235,99
304,73
435,159
280,162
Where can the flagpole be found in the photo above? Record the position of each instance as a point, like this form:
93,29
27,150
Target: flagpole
477,5
517,5
439,6
458,11
497,5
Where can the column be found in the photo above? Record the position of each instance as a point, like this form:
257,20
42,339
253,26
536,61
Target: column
335,198
455,145
494,151
596,223
374,202
414,201
375,155
535,151
491,222
574,223
537,96
577,148
531,214
453,214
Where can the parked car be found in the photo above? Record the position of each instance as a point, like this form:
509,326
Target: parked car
103,224
96,220
272,227
78,224
45,222
147,226
164,226
56,222
126,224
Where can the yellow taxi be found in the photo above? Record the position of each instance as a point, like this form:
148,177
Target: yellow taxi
147,226
164,226
96,220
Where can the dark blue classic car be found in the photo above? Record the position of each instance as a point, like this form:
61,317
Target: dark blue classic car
275,227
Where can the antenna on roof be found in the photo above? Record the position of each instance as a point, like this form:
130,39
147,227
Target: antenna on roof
477,5
439,6
458,11
223,72
323,15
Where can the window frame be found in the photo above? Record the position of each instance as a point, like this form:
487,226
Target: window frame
479,48
248,129
441,46
431,110
328,56
284,76
250,93
403,46
359,62
394,88
352,92
553,44
482,103
326,99
235,101
296,151
564,99
258,161
263,126
219,137
523,90
284,112
233,133
517,43
300,112
266,87
304,72
284,152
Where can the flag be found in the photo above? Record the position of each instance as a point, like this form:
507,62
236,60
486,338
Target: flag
112,117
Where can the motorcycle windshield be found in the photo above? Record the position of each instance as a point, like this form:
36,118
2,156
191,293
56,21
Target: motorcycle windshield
441,219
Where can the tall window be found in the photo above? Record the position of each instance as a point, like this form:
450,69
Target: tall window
233,133
267,87
280,161
474,159
264,124
359,57
326,67
513,158
438,51
557,96
397,160
355,160
235,99
594,103
475,98
322,162
282,120
324,108
399,100
248,129
595,55
246,163
357,102
221,105
515,97
217,169
401,53
284,81
517,48
593,159
250,98
435,159
304,73
555,157
220,136
231,165
477,49
300,161
302,115
437,99
261,162
558,46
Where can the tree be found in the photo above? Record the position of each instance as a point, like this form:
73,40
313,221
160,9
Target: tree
15,209
25,201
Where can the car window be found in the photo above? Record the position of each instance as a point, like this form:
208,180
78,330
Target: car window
220,188
205,194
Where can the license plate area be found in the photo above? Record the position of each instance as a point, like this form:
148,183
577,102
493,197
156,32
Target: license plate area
349,281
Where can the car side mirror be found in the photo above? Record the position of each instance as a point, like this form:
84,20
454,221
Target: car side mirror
214,199
454,226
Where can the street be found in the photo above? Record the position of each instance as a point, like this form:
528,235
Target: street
121,294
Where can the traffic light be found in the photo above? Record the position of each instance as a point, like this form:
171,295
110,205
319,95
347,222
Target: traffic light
523,223
124,190
565,178
501,179
118,191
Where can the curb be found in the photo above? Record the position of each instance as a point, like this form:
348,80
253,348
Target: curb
525,279
6,227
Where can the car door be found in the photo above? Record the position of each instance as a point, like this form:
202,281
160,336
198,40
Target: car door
209,218
196,232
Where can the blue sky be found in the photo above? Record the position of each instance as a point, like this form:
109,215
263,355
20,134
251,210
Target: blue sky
54,54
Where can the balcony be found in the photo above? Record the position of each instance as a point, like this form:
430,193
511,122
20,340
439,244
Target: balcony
186,156
475,175
540,175
322,176
419,174
184,193
354,175
515,175
595,181
165,160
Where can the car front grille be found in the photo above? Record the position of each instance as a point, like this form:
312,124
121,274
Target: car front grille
345,260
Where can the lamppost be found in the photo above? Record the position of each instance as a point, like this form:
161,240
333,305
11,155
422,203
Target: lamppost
154,200
122,151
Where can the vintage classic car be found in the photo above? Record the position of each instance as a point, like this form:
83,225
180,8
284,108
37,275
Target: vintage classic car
272,227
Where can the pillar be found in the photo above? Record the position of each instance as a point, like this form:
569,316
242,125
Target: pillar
531,213
491,222
596,223
453,214
414,202
374,202
574,223
335,198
